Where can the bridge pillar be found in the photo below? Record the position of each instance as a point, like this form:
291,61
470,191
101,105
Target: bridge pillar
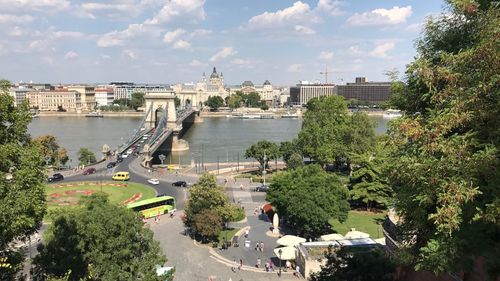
160,101
198,118
179,144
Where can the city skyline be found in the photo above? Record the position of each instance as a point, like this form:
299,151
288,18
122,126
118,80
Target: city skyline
168,42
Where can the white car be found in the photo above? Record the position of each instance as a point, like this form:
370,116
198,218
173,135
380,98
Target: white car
154,181
130,151
124,155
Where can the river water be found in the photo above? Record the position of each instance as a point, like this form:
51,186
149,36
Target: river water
223,139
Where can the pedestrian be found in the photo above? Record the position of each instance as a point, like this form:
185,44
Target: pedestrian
297,271
256,211
158,218
251,179
257,246
271,266
261,246
235,265
267,267
241,186
258,262
246,233
234,180
288,264
241,264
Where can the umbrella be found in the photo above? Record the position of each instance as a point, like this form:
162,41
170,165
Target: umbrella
290,240
331,237
353,234
287,253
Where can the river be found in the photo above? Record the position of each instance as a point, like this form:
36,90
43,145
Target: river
223,139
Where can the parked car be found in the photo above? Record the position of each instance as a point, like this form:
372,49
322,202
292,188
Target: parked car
124,155
89,171
154,181
111,165
56,177
262,188
179,183
119,159
130,150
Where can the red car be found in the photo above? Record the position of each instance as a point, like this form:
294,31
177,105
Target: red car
89,171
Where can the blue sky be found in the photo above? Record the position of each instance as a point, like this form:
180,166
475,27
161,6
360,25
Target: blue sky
172,41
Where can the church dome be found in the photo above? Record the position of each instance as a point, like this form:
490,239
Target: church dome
267,83
247,84
214,74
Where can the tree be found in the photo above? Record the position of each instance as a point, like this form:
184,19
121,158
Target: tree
85,156
330,135
444,154
295,161
122,102
287,148
99,241
308,197
253,99
214,102
50,150
22,192
177,102
234,101
264,106
347,265
261,148
137,100
207,225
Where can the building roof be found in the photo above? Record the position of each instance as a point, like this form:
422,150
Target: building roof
267,82
247,83
214,74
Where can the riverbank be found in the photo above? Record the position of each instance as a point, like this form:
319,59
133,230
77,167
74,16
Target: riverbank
82,114
279,112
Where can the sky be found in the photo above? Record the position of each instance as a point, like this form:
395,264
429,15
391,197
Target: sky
175,41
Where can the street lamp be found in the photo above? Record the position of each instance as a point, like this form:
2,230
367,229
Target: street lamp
279,252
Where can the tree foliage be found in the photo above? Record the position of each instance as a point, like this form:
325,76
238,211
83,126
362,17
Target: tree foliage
263,148
22,192
100,241
85,156
308,197
51,150
330,135
345,264
249,100
207,224
444,160
214,102
137,100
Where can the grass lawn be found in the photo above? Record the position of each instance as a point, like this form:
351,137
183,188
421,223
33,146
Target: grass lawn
362,221
230,233
67,194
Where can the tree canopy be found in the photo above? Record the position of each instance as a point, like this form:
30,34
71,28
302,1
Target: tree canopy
99,241
85,156
329,134
308,197
51,150
22,192
214,102
137,100
445,153
263,148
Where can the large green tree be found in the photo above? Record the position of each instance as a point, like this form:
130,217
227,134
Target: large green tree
308,197
263,151
346,264
51,150
22,192
99,241
214,102
137,100
330,135
85,156
445,153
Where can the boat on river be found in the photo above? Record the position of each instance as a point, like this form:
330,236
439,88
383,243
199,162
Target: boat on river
94,114
392,113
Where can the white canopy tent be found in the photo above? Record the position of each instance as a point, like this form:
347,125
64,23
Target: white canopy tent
287,253
353,234
331,237
290,240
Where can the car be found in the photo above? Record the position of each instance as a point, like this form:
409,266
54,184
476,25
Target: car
124,155
121,176
145,137
119,159
130,150
161,194
262,188
179,183
56,177
111,165
154,181
89,171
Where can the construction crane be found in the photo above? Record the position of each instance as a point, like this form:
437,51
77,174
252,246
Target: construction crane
326,74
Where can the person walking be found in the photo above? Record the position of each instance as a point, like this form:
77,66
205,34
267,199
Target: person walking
235,265
261,246
258,263
288,264
297,271
241,264
246,233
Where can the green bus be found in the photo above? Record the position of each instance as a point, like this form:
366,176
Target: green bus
154,206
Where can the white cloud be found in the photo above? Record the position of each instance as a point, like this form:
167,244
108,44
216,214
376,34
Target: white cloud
224,53
105,57
195,63
40,5
381,49
200,32
181,44
304,30
392,16
243,63
15,31
70,55
171,36
175,8
117,38
294,67
415,27
354,50
298,13
67,34
130,54
325,56
15,19
330,6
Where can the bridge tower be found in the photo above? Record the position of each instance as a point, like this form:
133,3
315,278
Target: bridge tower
160,101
